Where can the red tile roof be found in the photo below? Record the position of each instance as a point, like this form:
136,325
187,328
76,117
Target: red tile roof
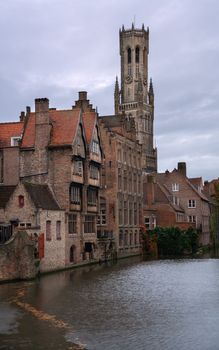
28,139
8,130
64,126
89,121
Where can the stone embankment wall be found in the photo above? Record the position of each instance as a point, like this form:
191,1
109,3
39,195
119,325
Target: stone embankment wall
17,258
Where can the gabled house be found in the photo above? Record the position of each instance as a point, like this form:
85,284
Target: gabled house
189,195
160,208
33,208
62,148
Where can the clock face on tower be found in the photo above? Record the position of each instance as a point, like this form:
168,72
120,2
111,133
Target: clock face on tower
128,79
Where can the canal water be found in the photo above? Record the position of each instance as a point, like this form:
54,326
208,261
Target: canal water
134,304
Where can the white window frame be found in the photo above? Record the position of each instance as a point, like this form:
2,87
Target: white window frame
14,140
175,187
191,203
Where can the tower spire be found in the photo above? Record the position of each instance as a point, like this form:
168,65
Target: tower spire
116,97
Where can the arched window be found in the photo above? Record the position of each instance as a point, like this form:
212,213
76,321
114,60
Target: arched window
129,52
137,51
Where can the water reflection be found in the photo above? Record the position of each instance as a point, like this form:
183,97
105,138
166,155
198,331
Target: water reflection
171,304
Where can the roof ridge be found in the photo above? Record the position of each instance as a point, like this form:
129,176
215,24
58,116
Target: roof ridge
18,122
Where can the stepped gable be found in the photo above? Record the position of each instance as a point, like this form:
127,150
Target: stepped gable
41,196
9,130
5,194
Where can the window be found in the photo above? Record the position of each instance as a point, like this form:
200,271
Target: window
89,224
136,237
125,180
15,141
94,172
154,222
131,238
78,167
175,187
175,200
120,238
126,238
120,213
101,219
21,201
75,194
72,223
92,196
147,223
192,203
192,218
119,154
130,213
129,55
125,213
119,179
135,182
135,213
137,50
96,147
58,230
139,184
48,230
130,181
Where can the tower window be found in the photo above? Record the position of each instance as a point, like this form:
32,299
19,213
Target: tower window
137,50
129,51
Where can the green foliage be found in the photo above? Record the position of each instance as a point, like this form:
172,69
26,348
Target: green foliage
172,241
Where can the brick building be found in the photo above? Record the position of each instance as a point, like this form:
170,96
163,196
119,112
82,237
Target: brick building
10,136
186,199
62,148
33,208
121,194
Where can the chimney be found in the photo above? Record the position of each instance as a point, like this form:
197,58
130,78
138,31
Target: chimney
41,105
22,116
182,168
28,109
42,121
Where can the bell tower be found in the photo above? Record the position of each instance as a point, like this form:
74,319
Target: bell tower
136,97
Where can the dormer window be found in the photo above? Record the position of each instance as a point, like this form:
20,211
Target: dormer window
15,141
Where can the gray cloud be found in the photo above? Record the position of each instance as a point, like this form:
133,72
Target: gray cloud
55,48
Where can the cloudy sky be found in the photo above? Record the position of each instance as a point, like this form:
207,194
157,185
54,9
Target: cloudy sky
54,48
